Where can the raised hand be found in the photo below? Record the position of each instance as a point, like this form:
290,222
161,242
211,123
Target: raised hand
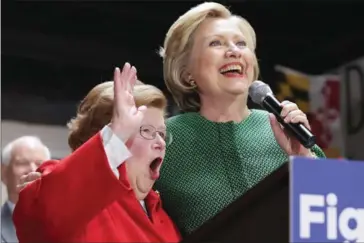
126,118
291,114
26,179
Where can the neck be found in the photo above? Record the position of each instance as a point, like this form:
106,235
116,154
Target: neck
13,197
224,110
140,195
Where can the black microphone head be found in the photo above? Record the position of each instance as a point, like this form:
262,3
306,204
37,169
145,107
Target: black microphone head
258,91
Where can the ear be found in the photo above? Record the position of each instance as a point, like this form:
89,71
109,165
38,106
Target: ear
3,173
187,77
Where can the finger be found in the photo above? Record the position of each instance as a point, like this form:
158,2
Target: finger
293,114
288,107
276,127
117,84
285,102
131,79
141,111
125,75
135,77
142,108
32,176
278,132
22,179
21,186
301,119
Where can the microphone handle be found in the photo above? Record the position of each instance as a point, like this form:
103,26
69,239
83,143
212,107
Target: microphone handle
298,130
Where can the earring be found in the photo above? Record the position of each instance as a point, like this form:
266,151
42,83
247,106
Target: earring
191,81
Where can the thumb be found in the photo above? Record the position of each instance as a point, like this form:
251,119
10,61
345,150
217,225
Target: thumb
276,127
141,111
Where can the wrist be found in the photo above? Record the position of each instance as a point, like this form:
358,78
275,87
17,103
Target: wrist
309,154
119,131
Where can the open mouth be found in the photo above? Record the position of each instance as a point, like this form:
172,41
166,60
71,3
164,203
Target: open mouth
235,69
155,167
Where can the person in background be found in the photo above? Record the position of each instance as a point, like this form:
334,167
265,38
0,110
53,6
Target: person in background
102,192
221,148
19,157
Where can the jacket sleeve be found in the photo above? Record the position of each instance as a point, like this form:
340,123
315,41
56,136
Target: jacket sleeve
73,191
318,152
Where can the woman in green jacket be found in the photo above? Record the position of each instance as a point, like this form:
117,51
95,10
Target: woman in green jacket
220,148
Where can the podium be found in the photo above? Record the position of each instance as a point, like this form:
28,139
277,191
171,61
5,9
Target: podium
260,215
305,200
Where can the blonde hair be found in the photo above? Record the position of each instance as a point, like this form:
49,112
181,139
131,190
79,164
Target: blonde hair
178,44
96,109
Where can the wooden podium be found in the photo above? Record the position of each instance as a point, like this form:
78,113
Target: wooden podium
260,215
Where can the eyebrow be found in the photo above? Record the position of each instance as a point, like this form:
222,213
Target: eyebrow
222,36
163,127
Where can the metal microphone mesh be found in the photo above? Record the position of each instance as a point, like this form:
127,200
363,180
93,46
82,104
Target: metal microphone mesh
258,91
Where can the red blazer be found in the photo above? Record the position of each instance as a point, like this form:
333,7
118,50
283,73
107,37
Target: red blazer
79,199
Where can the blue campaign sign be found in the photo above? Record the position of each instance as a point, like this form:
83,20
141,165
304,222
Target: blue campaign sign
326,200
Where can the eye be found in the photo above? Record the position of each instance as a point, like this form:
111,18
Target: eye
162,134
147,130
215,43
241,43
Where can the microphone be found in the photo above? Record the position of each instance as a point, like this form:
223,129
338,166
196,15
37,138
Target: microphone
261,94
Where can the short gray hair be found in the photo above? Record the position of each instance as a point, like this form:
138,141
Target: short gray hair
29,140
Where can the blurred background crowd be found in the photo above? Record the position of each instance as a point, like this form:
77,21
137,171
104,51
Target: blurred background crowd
53,53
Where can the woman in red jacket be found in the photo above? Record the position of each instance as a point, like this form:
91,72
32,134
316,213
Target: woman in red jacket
102,192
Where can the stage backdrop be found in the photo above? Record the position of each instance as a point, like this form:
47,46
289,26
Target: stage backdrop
352,103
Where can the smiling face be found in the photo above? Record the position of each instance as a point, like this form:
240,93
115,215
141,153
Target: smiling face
222,59
148,149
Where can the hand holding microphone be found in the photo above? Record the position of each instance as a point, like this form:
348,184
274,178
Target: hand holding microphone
295,138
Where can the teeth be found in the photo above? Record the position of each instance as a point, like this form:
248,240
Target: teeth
230,68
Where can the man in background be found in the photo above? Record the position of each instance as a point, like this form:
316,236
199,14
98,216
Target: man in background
19,157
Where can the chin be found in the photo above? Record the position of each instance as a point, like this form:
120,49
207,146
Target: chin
145,184
237,90
236,87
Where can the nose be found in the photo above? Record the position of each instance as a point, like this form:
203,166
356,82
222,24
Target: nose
233,51
160,143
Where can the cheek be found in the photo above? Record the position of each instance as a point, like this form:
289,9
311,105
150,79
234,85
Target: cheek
17,172
204,64
138,147
250,59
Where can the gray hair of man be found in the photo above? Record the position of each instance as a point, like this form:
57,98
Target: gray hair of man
6,155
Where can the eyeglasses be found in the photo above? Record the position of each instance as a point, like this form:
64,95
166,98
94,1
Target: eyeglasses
149,132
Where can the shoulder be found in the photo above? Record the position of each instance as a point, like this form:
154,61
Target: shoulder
260,113
179,118
259,117
5,211
182,120
3,208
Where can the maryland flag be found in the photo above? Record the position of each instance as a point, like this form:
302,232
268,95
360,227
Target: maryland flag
319,97
294,86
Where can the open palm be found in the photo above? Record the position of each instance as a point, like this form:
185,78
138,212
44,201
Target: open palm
126,118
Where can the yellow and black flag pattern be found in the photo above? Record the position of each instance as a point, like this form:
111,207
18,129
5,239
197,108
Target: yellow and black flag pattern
293,86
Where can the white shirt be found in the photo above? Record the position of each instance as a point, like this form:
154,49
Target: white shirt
116,152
